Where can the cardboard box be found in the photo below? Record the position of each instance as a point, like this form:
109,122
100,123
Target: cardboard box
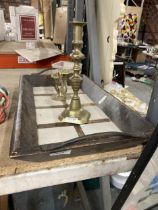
60,25
24,22
27,23
12,11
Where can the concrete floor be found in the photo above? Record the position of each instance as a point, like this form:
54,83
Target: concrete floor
154,208
5,74
140,90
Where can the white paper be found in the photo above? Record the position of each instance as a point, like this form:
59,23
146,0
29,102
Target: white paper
38,54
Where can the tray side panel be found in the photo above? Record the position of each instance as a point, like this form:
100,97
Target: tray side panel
126,119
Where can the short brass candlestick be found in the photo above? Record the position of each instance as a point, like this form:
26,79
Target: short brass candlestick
75,113
60,83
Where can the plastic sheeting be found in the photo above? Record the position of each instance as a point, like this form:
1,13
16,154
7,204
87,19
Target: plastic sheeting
145,192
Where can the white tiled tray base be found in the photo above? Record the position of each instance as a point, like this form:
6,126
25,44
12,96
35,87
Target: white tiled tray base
47,116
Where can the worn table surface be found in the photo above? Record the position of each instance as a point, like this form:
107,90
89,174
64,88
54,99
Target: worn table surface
7,47
18,175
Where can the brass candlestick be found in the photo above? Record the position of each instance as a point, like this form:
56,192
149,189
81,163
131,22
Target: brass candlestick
75,113
60,83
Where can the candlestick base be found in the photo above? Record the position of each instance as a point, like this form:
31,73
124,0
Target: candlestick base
79,117
65,97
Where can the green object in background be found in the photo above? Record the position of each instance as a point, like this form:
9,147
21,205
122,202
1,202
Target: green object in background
146,81
91,184
2,101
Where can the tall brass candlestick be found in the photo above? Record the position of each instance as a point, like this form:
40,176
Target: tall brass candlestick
75,113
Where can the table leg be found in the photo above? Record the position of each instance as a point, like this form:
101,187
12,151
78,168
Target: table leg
4,202
83,195
106,192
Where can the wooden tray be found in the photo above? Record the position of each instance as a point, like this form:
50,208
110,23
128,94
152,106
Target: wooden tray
39,135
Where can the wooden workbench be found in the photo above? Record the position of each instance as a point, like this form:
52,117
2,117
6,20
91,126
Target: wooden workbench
18,175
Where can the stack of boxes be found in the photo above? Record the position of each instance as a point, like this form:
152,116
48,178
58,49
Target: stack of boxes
12,13
23,24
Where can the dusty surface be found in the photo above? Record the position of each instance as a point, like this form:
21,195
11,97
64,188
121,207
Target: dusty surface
10,47
10,79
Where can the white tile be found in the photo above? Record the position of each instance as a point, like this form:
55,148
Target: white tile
43,90
50,90
96,113
47,116
46,101
50,115
56,135
69,90
99,128
85,99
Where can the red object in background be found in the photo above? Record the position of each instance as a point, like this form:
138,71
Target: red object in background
28,27
8,61
3,108
2,115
